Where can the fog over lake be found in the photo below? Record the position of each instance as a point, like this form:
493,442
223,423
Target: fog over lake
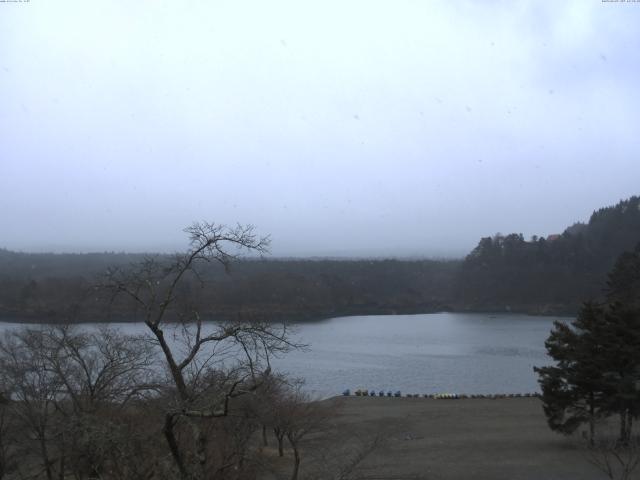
427,353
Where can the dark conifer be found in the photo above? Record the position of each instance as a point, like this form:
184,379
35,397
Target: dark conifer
572,390
597,371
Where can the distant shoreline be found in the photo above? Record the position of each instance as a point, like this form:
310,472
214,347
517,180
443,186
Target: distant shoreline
34,319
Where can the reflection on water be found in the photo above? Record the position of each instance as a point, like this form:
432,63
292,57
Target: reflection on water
430,353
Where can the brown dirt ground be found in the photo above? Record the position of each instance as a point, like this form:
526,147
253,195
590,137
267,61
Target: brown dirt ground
443,439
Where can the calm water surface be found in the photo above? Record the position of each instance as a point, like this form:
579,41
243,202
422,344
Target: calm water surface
444,352
430,353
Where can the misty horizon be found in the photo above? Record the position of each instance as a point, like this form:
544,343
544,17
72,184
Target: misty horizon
359,130
334,255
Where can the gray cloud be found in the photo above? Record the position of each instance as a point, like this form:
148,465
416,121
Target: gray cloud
355,128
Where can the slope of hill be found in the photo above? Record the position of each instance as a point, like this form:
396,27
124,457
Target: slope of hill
540,275
548,275
58,287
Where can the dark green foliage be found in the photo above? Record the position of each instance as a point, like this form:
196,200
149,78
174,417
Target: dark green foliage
503,272
39,286
572,389
597,371
553,274
624,280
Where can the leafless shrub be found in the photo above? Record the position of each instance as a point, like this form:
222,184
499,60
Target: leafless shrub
65,390
346,461
617,461
9,451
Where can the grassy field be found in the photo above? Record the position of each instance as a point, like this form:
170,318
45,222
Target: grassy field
407,438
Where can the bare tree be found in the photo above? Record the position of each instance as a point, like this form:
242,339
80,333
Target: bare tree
208,364
616,460
101,371
33,390
305,418
345,462
92,402
293,415
66,391
8,450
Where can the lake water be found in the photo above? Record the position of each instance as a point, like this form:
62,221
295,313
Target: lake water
430,353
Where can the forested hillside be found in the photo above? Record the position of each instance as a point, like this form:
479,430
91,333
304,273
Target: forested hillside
550,274
540,275
58,287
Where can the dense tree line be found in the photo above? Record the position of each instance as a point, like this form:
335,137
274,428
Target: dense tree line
548,274
504,272
37,286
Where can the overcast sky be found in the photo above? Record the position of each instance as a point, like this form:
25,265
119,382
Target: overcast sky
339,127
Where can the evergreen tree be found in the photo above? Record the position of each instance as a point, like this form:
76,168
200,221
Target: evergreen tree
623,285
572,390
597,371
620,366
553,274
623,337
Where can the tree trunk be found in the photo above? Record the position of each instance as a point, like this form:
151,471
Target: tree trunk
173,445
280,447
623,427
61,473
296,460
45,456
201,451
264,436
176,373
280,437
592,420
